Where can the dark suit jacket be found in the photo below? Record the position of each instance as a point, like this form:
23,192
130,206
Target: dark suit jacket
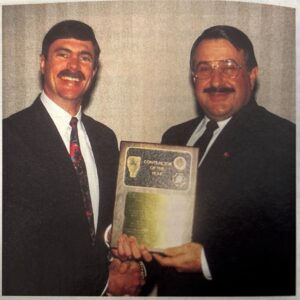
47,249
245,208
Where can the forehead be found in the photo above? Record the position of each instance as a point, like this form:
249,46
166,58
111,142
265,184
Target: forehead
217,49
72,45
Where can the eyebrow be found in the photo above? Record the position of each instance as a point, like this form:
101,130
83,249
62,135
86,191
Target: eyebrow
214,60
70,51
217,60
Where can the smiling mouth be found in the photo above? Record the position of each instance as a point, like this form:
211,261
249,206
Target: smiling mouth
218,97
70,78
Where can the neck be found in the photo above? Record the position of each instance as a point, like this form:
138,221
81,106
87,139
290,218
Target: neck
71,109
71,106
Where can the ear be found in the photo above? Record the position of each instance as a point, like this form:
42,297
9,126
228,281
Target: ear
42,63
253,77
193,77
95,71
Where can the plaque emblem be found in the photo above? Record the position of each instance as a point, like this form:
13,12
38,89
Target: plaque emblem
133,165
179,163
179,179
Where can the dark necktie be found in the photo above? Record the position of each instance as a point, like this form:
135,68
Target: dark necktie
80,168
204,139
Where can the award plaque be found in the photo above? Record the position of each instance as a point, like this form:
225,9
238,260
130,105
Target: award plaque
155,195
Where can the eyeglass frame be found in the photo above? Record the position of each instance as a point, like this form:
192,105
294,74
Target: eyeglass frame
215,65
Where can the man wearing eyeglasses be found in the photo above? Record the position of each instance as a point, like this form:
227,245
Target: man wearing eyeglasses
244,221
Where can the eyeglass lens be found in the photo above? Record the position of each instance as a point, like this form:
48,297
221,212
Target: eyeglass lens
228,68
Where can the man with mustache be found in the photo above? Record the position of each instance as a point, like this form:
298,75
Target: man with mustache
244,220
59,171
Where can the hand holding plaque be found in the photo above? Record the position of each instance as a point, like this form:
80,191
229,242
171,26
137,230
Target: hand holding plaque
184,258
128,248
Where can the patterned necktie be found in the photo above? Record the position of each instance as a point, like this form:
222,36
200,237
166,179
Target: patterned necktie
205,138
80,168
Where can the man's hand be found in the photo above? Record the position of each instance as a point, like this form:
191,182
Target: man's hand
185,258
125,278
128,248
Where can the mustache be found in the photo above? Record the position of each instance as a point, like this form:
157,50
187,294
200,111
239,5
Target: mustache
222,89
78,74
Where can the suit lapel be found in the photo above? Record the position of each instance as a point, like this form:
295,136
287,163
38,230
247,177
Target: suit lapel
50,150
231,139
48,142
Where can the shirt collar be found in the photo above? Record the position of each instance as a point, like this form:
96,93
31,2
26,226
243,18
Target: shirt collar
221,124
205,120
57,114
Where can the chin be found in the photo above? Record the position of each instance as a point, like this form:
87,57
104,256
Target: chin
219,116
71,96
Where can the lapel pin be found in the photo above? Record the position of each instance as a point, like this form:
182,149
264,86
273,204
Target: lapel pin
226,154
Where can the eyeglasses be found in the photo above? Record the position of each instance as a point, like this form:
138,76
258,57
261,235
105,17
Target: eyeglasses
227,68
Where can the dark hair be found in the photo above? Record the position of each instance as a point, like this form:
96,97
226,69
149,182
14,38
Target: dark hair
236,37
71,29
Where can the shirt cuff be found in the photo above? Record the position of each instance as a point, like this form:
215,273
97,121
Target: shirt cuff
106,239
205,268
143,269
104,293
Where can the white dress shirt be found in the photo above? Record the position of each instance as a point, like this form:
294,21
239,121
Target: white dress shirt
200,130
193,139
61,120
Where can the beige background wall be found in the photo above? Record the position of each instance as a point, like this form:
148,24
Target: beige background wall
143,85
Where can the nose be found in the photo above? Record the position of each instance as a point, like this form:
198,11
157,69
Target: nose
216,78
73,63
